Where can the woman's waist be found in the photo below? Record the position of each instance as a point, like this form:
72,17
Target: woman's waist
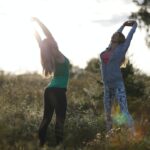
110,75
57,89
112,82
60,82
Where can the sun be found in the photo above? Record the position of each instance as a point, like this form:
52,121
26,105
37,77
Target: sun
19,50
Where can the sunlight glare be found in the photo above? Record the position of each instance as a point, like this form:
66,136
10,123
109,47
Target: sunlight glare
19,44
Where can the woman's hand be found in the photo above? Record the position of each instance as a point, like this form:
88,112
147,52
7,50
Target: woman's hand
129,23
34,19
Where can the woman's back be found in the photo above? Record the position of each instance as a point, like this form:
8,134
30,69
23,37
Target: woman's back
61,75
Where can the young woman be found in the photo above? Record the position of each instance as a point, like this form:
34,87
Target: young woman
111,60
56,64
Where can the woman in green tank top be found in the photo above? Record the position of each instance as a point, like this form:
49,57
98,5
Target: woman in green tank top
56,64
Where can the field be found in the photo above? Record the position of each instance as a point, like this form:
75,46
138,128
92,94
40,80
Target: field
21,109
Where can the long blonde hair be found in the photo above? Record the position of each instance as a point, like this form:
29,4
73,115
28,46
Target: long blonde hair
124,62
49,50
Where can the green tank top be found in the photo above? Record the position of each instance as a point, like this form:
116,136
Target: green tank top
61,75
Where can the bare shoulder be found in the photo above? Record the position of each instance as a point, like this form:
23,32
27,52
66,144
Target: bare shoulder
60,58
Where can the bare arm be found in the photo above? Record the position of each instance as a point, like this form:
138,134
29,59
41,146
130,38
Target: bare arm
44,28
37,36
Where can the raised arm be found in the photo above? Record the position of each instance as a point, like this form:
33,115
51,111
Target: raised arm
44,28
121,28
126,23
130,34
37,37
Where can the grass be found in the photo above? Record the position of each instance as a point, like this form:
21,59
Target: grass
21,108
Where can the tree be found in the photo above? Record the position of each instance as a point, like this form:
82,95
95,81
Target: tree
93,66
134,86
143,16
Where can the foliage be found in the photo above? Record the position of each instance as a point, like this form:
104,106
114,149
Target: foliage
21,108
134,86
143,15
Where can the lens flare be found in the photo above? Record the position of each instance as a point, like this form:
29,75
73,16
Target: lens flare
119,119
117,116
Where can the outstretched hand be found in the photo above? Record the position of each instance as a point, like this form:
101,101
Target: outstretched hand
35,19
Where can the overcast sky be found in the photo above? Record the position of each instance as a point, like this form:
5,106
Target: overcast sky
82,29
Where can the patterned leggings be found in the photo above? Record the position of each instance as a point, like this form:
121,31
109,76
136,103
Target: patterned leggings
120,94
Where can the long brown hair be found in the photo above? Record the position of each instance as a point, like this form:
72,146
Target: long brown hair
121,37
124,62
49,50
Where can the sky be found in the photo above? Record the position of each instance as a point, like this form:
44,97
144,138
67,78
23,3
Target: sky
82,29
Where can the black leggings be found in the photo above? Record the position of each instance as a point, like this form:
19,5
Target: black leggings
54,99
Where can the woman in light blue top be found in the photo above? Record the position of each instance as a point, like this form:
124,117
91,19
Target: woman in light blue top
56,65
111,60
